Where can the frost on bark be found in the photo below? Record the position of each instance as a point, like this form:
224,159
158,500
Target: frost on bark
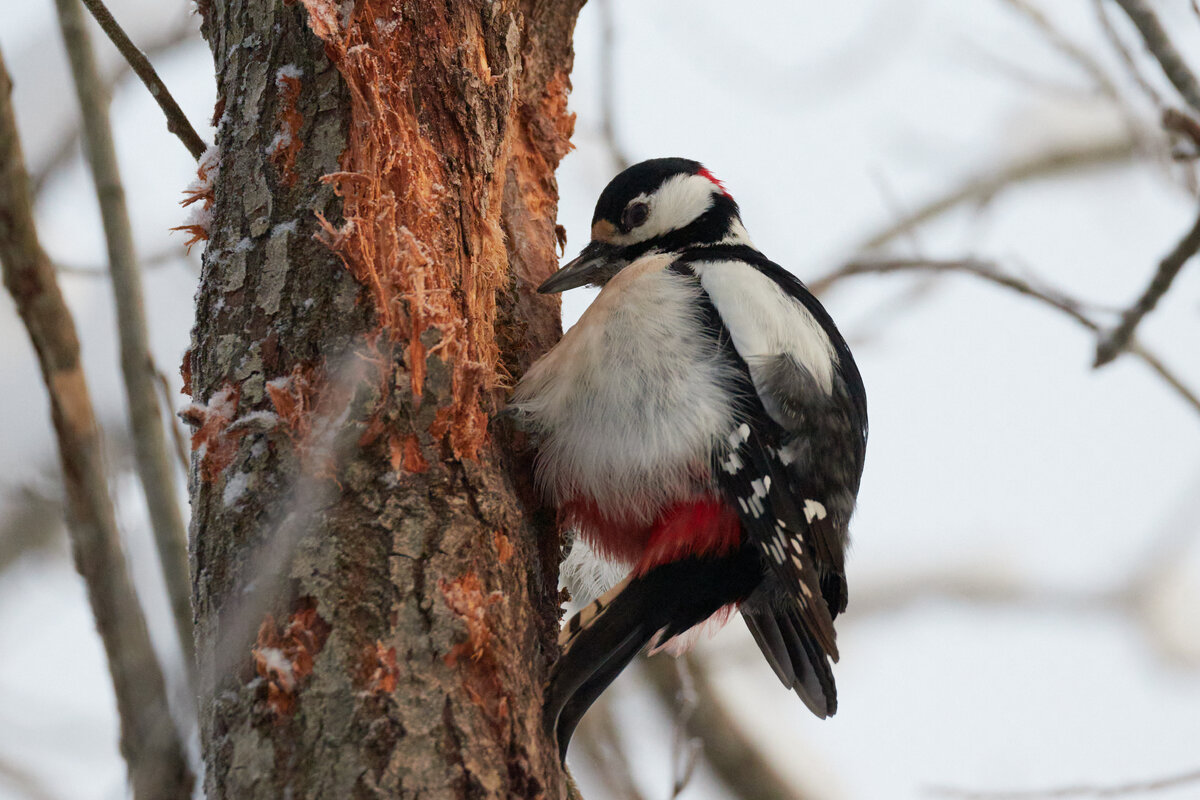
374,577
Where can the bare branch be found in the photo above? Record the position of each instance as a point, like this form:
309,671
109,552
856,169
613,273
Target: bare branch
1111,344
981,269
608,85
1188,127
597,738
1131,65
152,748
177,121
978,582
67,140
25,782
741,766
177,436
145,419
684,747
1160,46
980,189
1081,790
1063,44
32,521
168,255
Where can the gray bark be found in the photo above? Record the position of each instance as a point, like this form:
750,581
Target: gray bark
374,577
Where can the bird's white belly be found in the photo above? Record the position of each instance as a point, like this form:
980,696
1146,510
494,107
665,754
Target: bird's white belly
632,402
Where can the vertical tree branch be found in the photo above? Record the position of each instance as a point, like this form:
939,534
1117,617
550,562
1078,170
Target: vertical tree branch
145,417
149,741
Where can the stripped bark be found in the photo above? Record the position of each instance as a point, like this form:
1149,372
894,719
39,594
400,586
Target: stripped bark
375,579
149,741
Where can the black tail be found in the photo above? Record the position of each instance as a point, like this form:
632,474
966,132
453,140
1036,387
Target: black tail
603,638
795,655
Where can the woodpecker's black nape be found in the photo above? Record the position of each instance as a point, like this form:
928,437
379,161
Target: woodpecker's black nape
604,637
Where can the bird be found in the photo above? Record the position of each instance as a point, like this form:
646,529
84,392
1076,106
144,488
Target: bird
702,429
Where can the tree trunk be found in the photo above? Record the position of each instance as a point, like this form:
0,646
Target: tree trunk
375,579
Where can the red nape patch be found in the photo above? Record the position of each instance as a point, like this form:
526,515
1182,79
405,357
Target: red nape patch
704,173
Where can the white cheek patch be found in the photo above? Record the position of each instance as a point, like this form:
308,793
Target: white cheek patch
763,321
679,201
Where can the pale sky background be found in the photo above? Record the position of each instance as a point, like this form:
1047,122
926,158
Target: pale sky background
996,452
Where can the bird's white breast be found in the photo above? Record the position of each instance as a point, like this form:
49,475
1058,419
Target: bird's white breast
633,400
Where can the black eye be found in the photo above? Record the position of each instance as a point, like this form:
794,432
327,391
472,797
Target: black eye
634,215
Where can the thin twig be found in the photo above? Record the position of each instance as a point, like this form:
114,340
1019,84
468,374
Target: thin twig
168,255
608,85
24,781
597,738
981,269
177,436
1111,344
67,141
1186,126
737,762
177,121
1131,65
1160,46
145,418
982,188
1069,48
149,741
1082,790
684,746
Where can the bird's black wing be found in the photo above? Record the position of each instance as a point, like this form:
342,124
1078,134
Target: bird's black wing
791,468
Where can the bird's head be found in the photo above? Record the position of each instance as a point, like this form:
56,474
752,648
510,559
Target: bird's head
664,204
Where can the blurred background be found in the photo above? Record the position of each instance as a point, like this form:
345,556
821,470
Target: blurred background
974,187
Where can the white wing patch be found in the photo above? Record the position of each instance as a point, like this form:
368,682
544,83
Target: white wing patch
764,321
813,510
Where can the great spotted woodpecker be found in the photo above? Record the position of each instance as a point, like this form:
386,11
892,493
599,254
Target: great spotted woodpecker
703,427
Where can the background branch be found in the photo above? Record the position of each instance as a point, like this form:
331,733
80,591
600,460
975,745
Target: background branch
737,762
1072,51
980,189
177,121
145,417
1160,46
1078,791
989,272
66,141
149,741
1112,344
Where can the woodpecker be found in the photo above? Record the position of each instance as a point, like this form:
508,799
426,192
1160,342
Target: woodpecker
702,428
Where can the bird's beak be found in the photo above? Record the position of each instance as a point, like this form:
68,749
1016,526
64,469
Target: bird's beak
596,264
